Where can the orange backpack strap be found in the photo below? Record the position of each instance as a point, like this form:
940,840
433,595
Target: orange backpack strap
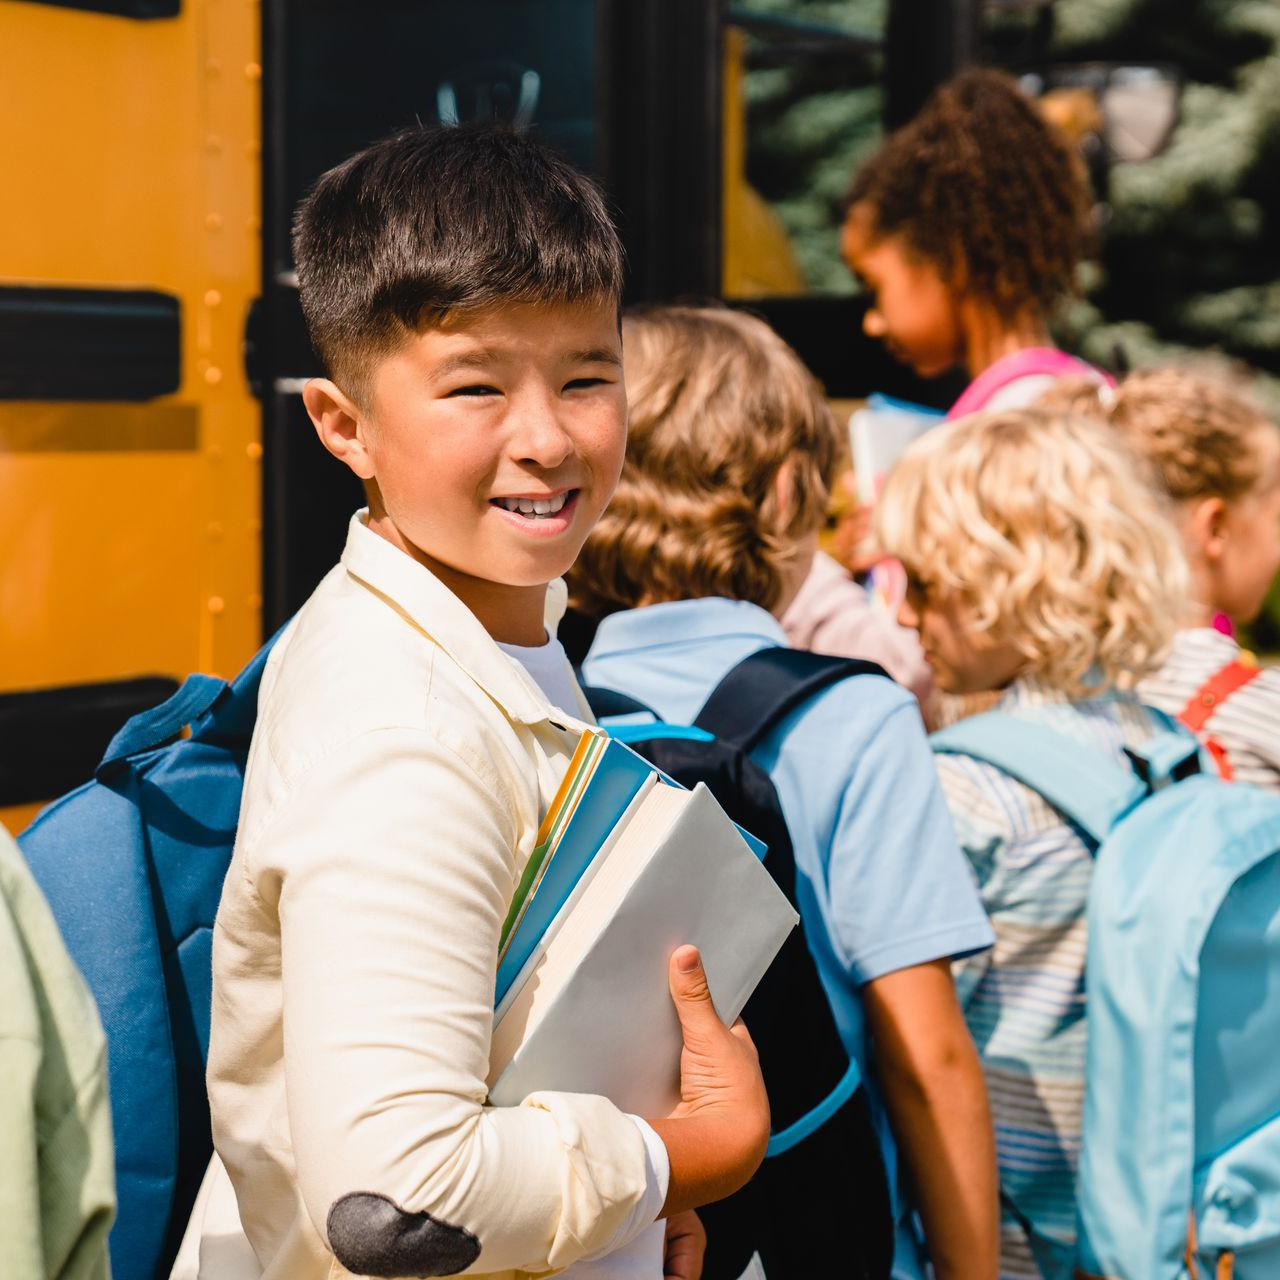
1215,691
1207,699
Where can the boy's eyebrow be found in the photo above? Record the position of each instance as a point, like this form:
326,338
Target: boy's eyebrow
483,358
594,355
463,360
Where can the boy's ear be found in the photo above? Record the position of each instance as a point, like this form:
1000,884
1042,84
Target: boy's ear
1207,525
340,425
784,495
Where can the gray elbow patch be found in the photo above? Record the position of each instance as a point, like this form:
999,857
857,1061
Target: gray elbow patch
373,1236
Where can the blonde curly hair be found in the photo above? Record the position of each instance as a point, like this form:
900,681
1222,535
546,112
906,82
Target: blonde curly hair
1203,438
718,405
1046,525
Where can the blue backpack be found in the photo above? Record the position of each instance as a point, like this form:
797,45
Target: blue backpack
1179,1172
132,864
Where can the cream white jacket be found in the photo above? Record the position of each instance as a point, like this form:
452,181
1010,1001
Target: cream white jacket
397,776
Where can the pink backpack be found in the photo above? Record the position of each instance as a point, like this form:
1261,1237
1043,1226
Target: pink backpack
1033,362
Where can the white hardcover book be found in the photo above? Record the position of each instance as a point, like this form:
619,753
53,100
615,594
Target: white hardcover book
594,1013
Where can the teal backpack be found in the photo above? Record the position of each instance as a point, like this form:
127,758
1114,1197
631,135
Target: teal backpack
132,865
1179,1175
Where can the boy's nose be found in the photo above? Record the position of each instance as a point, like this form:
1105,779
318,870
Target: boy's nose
873,324
541,440
908,617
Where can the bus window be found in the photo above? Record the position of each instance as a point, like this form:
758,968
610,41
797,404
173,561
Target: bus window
803,100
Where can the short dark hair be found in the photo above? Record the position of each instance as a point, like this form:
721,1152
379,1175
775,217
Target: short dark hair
985,189
433,220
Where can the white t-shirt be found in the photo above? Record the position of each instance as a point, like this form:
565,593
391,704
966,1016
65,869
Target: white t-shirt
642,1258
549,666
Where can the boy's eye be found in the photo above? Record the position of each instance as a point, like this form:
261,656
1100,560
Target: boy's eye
475,389
579,383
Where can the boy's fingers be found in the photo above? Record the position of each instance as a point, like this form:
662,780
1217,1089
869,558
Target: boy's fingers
689,990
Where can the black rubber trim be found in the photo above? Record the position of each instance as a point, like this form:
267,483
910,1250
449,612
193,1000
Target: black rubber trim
52,739
121,8
88,344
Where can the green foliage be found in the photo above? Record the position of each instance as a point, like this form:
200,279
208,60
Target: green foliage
808,124
1191,255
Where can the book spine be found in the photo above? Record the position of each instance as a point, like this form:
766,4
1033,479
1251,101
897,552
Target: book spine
618,775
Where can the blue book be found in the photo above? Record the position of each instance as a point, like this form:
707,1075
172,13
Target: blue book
602,780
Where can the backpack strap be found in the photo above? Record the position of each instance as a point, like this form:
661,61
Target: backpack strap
1208,698
196,698
610,702
1090,790
1215,691
766,686
153,728
1031,362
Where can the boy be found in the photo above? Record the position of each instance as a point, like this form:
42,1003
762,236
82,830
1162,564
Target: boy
710,534
461,287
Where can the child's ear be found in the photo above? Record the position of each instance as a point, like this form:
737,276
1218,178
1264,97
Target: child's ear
784,495
1207,526
340,425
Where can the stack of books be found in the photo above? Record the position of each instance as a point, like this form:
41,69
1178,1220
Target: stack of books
628,866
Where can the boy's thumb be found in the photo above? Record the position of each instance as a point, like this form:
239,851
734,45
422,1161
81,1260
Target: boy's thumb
689,990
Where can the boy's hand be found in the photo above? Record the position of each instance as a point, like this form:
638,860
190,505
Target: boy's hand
686,1243
717,1135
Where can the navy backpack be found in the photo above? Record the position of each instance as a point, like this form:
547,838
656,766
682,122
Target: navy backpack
132,864
820,1200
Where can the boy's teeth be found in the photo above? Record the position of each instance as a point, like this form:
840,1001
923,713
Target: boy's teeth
534,506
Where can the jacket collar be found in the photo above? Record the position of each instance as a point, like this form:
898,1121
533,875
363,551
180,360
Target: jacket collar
429,606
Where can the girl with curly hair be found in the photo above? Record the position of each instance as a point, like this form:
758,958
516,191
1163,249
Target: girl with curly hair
712,529
966,229
1042,568
1217,456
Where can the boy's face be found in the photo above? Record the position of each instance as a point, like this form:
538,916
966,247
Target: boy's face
912,310
964,659
492,443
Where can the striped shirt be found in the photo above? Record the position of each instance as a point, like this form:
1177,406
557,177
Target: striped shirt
1247,723
1024,1001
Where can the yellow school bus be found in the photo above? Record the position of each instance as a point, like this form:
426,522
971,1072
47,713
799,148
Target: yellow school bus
130,444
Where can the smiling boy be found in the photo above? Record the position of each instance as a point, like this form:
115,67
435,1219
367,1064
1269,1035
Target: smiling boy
461,287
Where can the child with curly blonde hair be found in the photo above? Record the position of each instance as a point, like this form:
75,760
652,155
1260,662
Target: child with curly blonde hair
1217,455
710,533
1040,565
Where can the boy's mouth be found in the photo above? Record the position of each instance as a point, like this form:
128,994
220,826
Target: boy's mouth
536,508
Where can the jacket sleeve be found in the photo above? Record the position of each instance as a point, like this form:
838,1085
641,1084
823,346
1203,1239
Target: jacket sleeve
21,1248
391,870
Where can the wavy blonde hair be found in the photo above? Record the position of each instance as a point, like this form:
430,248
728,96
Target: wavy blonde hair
1049,528
1203,438
718,404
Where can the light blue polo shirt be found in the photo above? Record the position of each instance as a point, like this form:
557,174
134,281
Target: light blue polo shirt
878,868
